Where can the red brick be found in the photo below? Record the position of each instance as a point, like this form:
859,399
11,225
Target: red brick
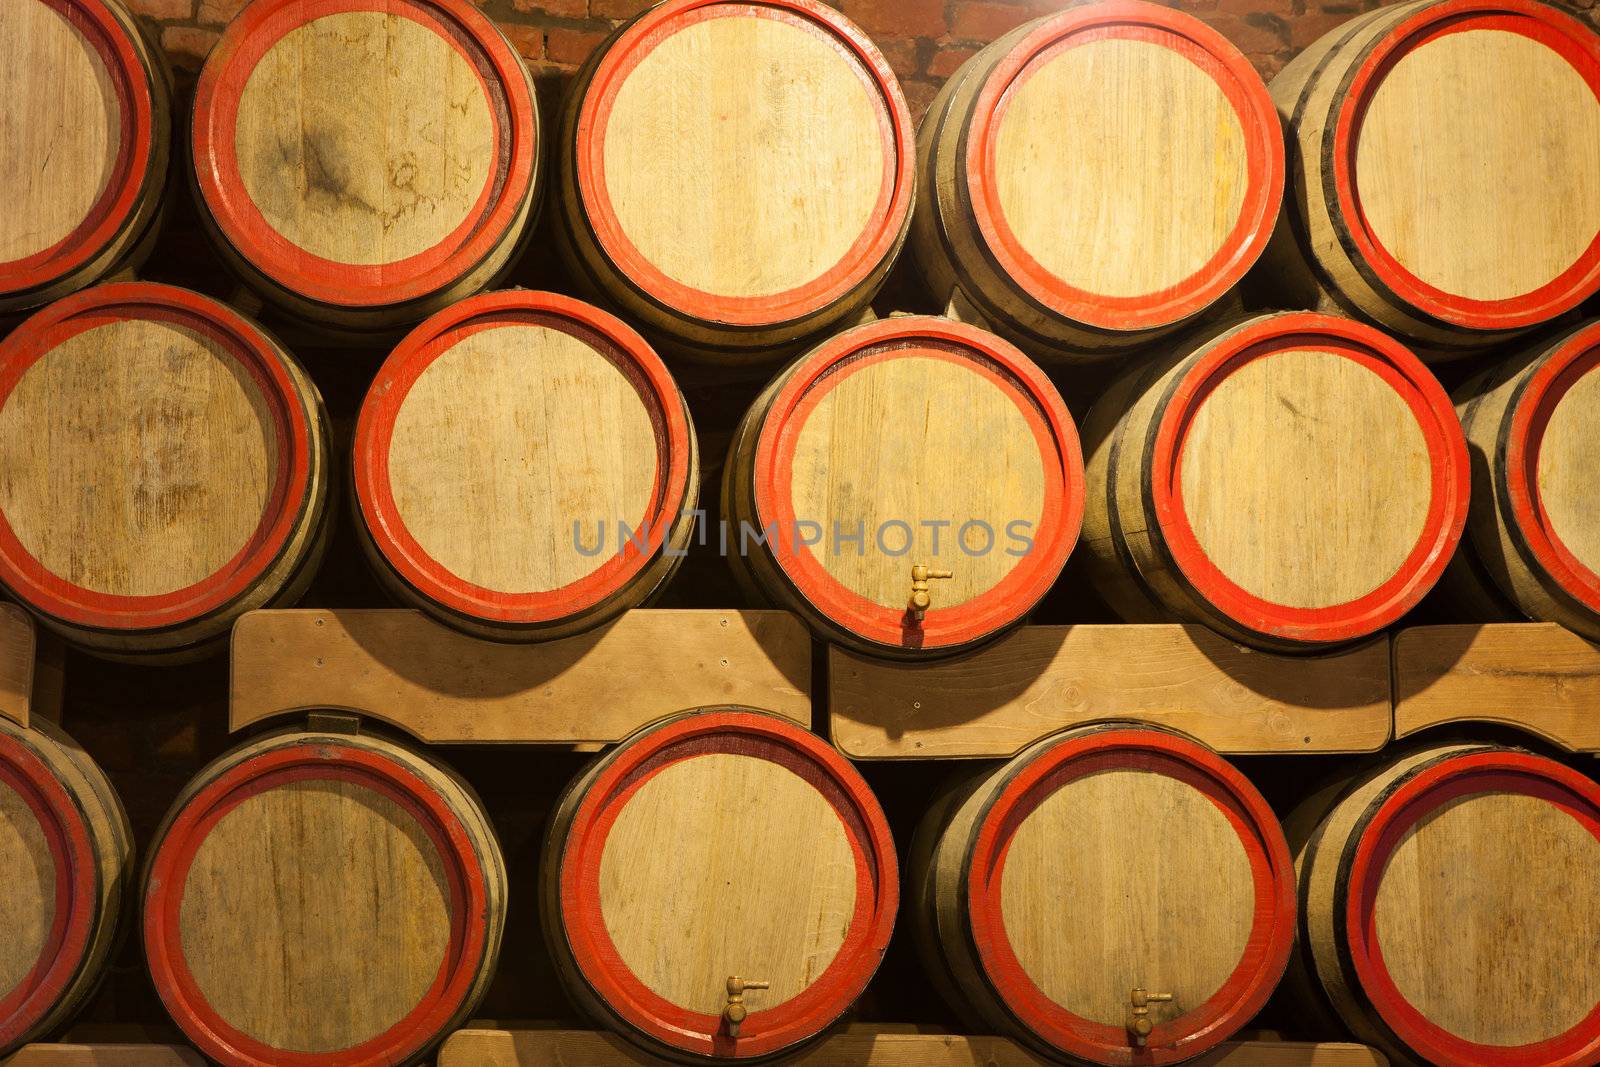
897,18
566,9
570,47
527,40
1281,8
947,61
976,20
904,57
1257,35
219,12
164,10
187,46
1307,28
618,9
919,94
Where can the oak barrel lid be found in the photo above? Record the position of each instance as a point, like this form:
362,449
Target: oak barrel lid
185,420
1310,477
502,432
49,896
1129,858
79,135
1550,467
1478,204
892,427
311,874
389,175
1469,885
708,179
1071,201
756,851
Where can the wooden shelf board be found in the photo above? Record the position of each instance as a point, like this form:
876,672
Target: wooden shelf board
859,1046
1538,677
1040,679
19,643
444,687
103,1055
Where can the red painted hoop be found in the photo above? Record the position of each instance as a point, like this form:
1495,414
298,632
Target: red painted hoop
258,357
1452,778
1272,870
868,252
610,338
130,175
1224,64
1448,463
325,760
1557,31
758,736
1012,372
76,884
1525,425
247,39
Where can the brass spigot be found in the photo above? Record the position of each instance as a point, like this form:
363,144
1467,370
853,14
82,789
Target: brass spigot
921,573
1139,1022
734,1014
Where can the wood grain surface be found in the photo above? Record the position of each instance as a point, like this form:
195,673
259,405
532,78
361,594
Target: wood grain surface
281,890
364,137
1539,677
744,155
767,893
510,440
1165,905
444,687
1113,198
62,127
175,436
18,641
995,701
859,1046
847,473
107,1055
1479,191
1306,478
1485,923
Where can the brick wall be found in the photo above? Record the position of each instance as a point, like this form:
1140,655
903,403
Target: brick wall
925,40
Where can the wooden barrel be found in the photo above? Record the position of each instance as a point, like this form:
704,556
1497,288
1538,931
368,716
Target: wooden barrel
163,469
1292,481
87,132
735,176
1115,894
67,853
1446,913
508,514
1533,534
323,898
1442,178
1097,176
363,165
720,885
906,445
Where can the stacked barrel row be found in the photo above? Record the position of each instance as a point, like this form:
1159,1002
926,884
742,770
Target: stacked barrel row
1047,209
1113,894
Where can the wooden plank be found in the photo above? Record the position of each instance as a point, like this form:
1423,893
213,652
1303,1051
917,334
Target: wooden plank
103,1056
1040,679
859,1047
1535,676
18,645
444,687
